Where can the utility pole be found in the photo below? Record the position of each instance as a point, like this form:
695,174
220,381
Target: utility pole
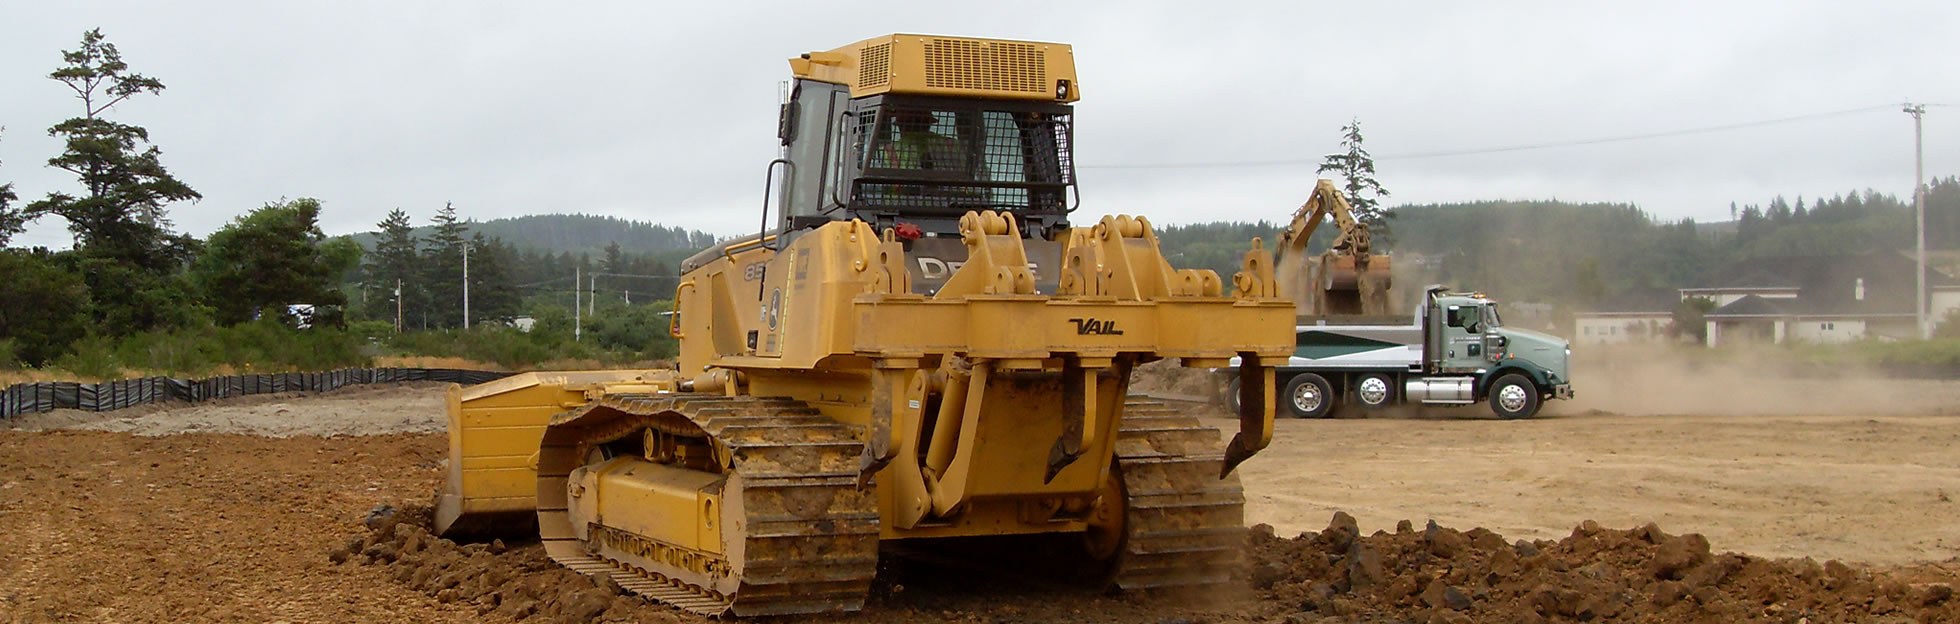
1918,111
466,285
577,326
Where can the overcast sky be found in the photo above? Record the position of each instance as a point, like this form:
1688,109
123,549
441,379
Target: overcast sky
666,111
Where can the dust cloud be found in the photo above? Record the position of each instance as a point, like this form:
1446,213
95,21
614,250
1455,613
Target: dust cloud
1637,380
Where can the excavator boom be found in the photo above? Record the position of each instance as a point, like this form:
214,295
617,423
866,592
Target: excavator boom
1348,278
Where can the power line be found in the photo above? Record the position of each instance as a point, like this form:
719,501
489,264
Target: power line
1511,148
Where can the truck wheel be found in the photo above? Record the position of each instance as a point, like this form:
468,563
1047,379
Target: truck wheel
1309,396
1513,396
1374,391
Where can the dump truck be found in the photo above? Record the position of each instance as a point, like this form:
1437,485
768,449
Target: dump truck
917,345
1454,351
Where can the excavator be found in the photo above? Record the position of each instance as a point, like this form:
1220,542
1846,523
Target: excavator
917,344
1347,279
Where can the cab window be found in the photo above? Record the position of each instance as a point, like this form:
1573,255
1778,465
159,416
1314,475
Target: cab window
1460,316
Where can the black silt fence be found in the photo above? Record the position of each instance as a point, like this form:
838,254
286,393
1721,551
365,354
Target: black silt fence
28,398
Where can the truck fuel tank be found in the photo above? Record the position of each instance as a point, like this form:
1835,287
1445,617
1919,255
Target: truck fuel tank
1440,389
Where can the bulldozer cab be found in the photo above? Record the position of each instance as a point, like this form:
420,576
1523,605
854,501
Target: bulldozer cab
922,160
911,132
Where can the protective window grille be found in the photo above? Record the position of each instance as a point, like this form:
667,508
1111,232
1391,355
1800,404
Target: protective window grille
964,160
875,67
994,66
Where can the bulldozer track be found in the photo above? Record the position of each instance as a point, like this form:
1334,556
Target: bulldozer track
808,538
1186,526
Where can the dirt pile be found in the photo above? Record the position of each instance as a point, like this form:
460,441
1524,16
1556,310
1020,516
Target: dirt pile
520,583
1167,377
1438,574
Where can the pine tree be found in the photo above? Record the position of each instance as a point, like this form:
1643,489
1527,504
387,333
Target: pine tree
442,264
1751,225
393,271
1356,169
1779,211
124,248
121,218
613,262
493,292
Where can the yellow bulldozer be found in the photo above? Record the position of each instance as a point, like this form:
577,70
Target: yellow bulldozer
1346,279
917,345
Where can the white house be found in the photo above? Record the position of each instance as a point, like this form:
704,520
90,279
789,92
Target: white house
1821,299
1818,299
1642,315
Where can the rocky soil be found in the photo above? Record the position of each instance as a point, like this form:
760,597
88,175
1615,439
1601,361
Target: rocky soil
1438,574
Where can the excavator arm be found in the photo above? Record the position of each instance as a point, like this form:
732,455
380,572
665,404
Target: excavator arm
1325,200
1347,279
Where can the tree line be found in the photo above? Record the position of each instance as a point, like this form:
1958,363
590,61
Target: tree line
132,290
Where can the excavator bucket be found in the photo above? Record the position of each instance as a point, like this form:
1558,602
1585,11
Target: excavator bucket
1349,285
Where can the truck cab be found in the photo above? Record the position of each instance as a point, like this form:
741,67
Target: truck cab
1454,351
1466,343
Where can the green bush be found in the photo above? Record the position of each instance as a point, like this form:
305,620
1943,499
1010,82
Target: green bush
271,344
1938,351
639,331
94,356
265,345
44,310
503,346
371,331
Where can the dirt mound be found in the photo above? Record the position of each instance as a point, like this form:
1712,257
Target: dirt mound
412,407
1640,575
520,583
1167,377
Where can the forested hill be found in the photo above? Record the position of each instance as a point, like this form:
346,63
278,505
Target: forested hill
1551,251
578,234
1576,254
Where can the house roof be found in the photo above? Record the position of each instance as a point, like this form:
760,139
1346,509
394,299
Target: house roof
1751,305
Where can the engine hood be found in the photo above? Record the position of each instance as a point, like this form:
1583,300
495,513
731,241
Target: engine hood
1549,352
